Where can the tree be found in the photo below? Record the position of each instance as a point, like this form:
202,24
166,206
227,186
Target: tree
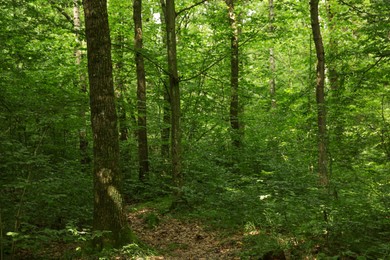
234,67
166,104
174,91
320,93
272,83
108,212
141,92
83,141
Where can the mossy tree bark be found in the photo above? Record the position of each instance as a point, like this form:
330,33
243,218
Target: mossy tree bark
108,212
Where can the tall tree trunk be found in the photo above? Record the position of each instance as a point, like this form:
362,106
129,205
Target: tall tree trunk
166,127
120,88
272,82
108,212
334,99
170,23
234,66
320,94
83,141
333,46
141,92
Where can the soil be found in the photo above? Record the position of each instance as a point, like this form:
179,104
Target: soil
179,239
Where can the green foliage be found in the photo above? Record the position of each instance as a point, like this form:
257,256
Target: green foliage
267,190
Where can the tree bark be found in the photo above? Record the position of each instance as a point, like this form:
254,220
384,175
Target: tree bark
170,22
333,46
234,66
166,127
120,88
320,94
272,82
141,92
83,141
108,208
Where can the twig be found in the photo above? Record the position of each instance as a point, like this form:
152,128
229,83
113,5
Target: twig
201,72
190,7
62,11
368,69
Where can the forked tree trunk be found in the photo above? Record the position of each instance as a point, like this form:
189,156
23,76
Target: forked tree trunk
141,92
320,94
108,212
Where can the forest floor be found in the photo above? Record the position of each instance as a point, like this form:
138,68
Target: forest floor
182,239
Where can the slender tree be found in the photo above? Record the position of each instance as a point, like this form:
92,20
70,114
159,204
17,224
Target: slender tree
120,88
83,141
166,129
166,126
272,82
108,209
335,117
174,91
234,67
141,92
320,93
333,46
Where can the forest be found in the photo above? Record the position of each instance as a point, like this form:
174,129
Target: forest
195,129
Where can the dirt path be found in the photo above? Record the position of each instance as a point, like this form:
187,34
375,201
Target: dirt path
176,239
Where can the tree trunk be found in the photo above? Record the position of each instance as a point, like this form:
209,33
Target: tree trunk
170,23
141,92
334,99
83,141
333,46
120,89
108,209
272,82
166,127
234,66
320,94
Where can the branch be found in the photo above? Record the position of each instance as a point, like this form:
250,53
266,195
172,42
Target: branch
68,18
190,7
162,2
62,11
368,69
204,70
356,9
145,56
205,132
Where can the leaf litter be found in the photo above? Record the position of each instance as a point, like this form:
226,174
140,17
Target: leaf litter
182,239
